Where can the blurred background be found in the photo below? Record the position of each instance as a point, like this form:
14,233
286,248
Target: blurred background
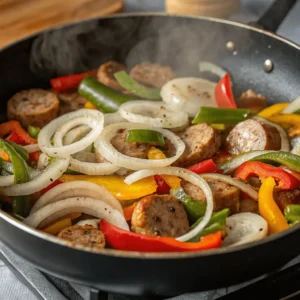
19,18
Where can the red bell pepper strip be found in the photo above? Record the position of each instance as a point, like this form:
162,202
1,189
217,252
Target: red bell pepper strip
50,186
206,166
285,180
34,156
223,93
294,173
69,82
129,241
162,186
16,133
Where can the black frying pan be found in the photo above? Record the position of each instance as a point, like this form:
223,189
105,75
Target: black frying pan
180,42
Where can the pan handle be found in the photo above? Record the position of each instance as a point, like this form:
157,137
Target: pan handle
274,16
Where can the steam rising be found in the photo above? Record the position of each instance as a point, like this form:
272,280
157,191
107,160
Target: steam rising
85,46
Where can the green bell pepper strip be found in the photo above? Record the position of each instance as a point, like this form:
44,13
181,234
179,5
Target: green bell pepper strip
221,115
145,136
21,204
18,217
292,212
280,157
101,96
33,131
217,222
195,209
135,88
21,151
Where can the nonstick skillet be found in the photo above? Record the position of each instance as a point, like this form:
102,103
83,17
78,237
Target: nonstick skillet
256,58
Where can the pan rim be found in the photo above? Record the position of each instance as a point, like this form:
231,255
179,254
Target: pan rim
137,255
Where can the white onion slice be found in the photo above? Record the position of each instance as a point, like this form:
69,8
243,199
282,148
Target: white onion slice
234,182
111,118
152,113
296,149
90,206
90,117
43,161
244,228
233,163
92,222
32,148
7,180
205,66
292,107
76,134
188,94
285,142
104,146
189,176
50,174
92,168
77,189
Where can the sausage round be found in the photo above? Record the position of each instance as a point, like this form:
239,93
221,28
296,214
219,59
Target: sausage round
252,135
87,236
34,107
160,215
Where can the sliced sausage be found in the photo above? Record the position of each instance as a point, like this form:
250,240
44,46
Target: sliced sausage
284,198
70,102
106,73
161,215
87,236
152,74
252,100
201,141
34,107
225,196
248,205
252,135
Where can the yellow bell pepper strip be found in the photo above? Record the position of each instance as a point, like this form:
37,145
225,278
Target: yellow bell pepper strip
117,186
268,208
294,131
58,226
273,110
71,216
172,181
289,119
89,105
4,155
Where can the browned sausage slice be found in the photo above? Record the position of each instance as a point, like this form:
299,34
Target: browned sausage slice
225,196
252,135
284,198
106,73
70,102
87,236
201,141
34,107
252,100
152,74
161,215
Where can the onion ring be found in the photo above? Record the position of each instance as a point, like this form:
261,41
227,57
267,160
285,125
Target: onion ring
104,146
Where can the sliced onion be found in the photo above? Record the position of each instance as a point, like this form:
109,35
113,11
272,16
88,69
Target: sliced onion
77,189
85,157
205,66
233,163
244,228
189,176
7,180
92,222
152,113
76,134
111,118
188,94
43,161
285,142
90,168
50,174
292,107
90,206
104,146
58,126
32,148
296,149
234,182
